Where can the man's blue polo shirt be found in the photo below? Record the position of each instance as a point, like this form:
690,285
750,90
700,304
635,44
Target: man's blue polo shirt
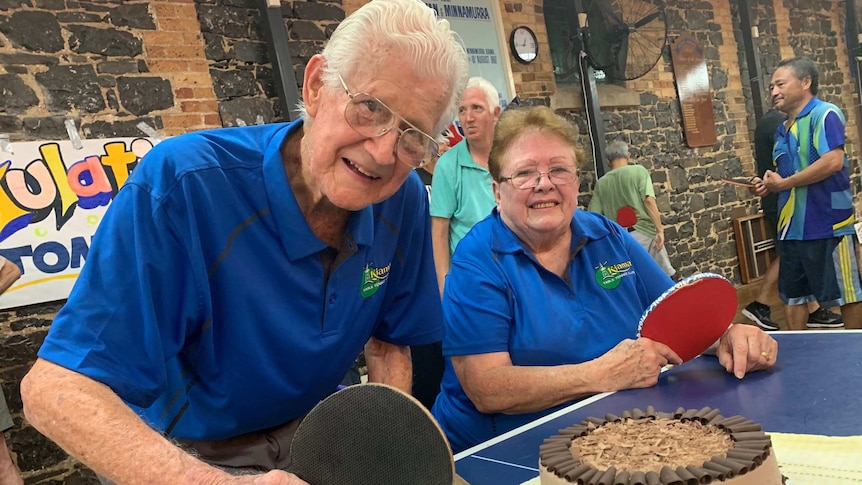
498,298
823,209
203,301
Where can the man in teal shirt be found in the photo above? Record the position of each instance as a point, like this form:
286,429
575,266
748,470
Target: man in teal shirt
461,189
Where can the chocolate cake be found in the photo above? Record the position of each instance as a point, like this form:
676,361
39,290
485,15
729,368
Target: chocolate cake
686,447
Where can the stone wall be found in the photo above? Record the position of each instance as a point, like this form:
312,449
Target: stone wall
183,65
697,210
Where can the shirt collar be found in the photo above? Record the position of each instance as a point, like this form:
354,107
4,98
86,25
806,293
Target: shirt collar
584,225
462,156
808,107
296,236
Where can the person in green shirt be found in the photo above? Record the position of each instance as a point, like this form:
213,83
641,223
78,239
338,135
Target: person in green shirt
630,185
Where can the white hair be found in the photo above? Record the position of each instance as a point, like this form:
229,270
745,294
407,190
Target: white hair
617,149
400,27
489,89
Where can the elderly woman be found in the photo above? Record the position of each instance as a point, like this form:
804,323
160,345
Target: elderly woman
529,324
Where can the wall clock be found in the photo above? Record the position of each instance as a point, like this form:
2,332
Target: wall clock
524,46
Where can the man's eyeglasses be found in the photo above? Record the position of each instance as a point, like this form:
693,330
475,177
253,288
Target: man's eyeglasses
370,117
528,179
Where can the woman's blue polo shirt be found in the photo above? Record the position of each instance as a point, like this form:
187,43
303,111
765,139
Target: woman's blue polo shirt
498,298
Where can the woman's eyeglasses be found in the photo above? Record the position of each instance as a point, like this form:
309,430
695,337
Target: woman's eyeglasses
528,179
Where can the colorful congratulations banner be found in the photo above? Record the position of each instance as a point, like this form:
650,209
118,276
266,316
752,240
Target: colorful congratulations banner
52,197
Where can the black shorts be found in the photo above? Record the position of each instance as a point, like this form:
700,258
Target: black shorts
824,270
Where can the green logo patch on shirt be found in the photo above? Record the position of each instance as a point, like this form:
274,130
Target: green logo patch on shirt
373,279
609,277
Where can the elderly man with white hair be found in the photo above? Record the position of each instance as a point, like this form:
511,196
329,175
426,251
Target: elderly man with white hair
461,190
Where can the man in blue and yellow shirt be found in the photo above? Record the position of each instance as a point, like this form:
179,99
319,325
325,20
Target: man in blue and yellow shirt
815,206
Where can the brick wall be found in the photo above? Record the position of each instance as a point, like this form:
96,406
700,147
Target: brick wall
533,81
183,65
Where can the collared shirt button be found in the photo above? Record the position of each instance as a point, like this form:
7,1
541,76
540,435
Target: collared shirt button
332,299
571,296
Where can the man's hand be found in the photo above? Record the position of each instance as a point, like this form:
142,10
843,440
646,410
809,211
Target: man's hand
745,348
9,273
759,188
775,182
275,477
389,364
658,241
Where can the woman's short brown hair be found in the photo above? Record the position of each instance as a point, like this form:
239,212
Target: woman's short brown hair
516,122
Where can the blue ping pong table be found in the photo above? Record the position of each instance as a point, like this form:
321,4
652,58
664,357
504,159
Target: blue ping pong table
814,388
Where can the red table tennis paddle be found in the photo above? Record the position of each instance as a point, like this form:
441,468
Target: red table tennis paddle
371,434
691,315
626,216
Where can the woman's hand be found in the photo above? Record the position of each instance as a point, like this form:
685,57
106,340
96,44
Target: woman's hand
635,363
745,348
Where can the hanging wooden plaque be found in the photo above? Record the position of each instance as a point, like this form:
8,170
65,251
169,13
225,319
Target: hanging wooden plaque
695,95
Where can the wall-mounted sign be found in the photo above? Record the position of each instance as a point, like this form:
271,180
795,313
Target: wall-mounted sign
52,197
695,95
479,24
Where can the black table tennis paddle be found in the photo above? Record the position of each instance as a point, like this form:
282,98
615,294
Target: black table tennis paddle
371,434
